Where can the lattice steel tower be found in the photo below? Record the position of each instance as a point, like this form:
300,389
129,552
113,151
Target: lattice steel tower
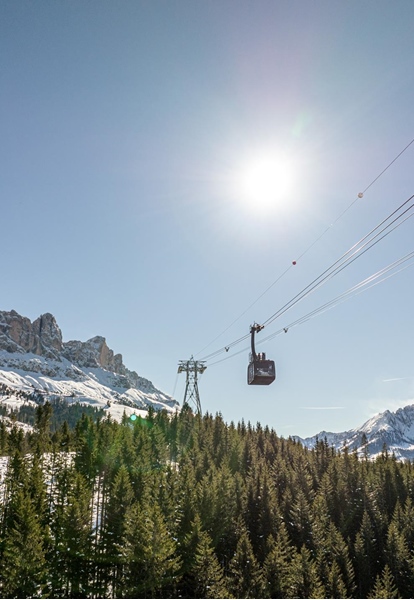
192,368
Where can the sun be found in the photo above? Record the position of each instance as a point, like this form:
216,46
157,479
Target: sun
266,182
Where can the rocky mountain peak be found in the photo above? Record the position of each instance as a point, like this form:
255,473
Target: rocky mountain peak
93,353
88,371
48,332
19,334
393,430
44,338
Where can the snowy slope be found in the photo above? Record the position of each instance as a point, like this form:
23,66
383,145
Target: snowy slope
393,430
92,385
34,359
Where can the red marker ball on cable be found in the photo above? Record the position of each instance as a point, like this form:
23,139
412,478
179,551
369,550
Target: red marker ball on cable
293,262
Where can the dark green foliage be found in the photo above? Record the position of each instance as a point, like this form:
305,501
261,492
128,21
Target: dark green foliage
245,575
208,575
304,579
188,506
23,565
62,410
201,574
277,566
149,554
3,438
385,586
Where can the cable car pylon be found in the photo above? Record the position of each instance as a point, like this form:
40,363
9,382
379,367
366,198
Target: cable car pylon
192,368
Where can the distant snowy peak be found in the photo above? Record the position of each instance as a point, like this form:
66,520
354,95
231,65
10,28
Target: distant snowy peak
33,356
391,430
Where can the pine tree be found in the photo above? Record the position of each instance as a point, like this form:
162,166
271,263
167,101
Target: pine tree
86,448
72,553
185,499
404,519
300,520
366,556
65,438
209,576
42,426
225,511
277,565
16,441
261,514
4,438
332,555
385,586
399,560
15,480
150,564
245,575
304,578
120,499
37,489
23,566
334,583
202,575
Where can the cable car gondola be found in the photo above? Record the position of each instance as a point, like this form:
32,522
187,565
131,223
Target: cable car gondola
260,371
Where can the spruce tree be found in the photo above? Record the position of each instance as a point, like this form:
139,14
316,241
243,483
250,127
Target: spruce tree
209,576
399,560
185,499
4,438
23,572
385,586
334,583
72,553
300,520
245,575
277,565
332,554
15,480
149,553
304,578
120,499
202,575
42,426
86,448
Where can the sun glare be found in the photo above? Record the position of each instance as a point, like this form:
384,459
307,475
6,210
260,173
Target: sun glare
266,182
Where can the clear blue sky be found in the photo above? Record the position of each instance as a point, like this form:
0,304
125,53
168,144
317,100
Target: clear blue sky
127,129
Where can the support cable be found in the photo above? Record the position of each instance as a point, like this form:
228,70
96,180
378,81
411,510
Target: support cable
359,288
359,196
355,252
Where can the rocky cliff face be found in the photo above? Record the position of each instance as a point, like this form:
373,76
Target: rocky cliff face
19,334
44,338
93,353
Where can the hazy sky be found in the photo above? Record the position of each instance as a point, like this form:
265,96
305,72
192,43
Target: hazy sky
134,141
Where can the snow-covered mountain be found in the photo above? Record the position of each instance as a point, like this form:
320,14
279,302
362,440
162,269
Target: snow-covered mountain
34,359
391,430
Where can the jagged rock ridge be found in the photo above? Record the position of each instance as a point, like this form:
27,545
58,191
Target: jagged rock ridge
38,348
44,337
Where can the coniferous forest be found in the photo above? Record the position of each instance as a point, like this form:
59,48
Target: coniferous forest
192,507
